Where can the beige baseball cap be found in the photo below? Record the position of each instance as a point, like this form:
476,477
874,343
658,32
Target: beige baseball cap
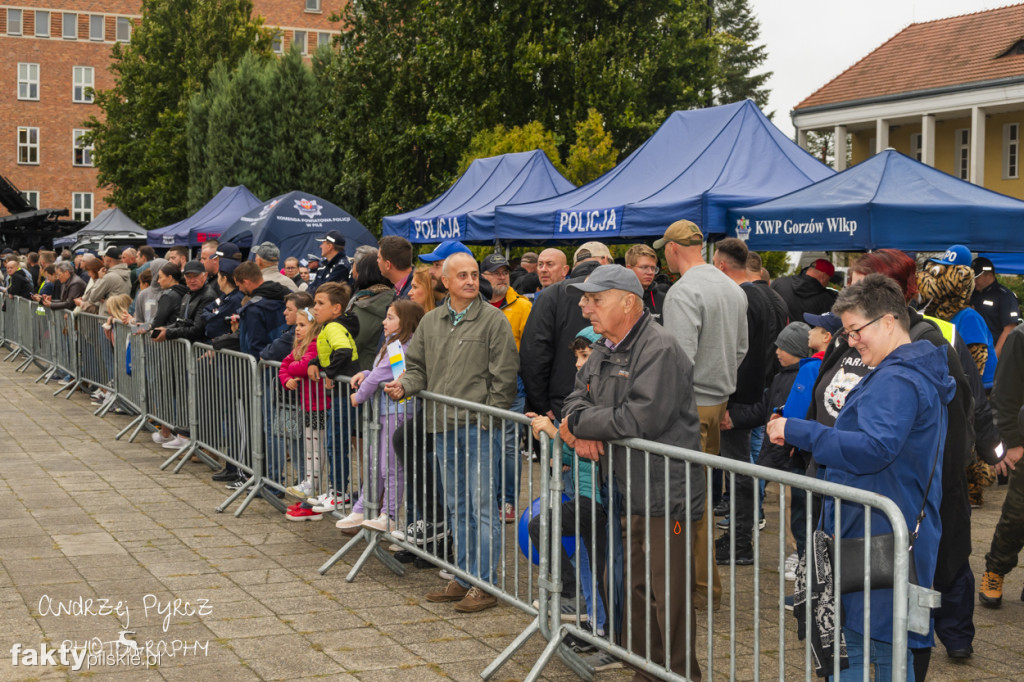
591,250
682,232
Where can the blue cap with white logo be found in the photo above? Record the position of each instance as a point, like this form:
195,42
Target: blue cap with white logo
958,254
443,250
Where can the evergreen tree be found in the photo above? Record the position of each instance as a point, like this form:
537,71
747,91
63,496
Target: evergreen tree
141,144
592,154
740,54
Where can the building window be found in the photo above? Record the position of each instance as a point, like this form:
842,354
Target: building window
323,39
1011,150
278,43
915,146
81,206
42,24
97,27
82,153
69,26
299,38
28,146
872,143
124,29
14,22
32,197
28,81
313,5
963,153
82,84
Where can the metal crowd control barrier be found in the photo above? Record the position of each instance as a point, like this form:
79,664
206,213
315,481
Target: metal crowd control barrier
65,335
223,397
159,381
449,455
43,342
308,438
95,354
129,376
12,330
650,635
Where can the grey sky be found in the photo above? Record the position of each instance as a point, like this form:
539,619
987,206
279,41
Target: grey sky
810,42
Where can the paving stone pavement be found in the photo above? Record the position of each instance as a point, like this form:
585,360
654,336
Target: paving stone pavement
84,517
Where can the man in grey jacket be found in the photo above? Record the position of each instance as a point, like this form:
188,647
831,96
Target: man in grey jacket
464,349
639,384
706,313
116,281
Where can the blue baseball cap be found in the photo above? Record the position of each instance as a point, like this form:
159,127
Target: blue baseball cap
829,322
445,249
589,334
958,254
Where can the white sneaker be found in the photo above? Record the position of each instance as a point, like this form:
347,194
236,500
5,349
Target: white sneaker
301,490
792,561
382,523
445,575
331,503
160,439
353,520
175,443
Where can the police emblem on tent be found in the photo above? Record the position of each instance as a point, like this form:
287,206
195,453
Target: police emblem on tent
268,208
743,229
308,207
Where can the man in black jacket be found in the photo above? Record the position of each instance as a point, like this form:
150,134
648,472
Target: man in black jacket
548,367
336,266
19,281
731,258
72,287
806,292
191,324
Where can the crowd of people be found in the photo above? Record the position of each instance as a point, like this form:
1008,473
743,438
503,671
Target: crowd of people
908,382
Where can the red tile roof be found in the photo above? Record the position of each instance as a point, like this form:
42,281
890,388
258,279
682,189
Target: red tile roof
933,54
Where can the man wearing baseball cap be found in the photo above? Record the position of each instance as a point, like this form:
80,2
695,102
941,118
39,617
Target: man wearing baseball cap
706,312
335,266
997,304
495,270
639,384
806,292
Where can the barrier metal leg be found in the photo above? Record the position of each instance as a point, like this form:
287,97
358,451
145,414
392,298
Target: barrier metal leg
15,349
142,425
24,365
185,450
509,651
252,495
46,375
234,496
75,385
135,423
69,387
373,548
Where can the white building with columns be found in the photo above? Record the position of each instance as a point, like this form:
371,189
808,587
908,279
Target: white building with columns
949,93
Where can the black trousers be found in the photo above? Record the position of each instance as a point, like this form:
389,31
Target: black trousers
735,445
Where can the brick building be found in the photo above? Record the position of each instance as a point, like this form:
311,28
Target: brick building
53,51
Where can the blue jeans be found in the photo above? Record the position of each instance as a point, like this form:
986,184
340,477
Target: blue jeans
756,439
881,658
467,455
508,490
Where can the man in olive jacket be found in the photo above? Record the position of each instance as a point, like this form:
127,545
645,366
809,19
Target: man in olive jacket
465,349
639,384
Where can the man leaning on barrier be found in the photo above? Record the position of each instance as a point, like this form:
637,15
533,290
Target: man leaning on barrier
465,349
639,384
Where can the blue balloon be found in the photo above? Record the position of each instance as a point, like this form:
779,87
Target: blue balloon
568,541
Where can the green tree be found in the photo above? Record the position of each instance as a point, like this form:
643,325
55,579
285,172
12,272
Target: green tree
592,154
413,82
775,262
141,144
500,140
740,56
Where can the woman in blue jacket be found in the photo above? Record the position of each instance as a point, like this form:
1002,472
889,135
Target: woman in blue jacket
885,440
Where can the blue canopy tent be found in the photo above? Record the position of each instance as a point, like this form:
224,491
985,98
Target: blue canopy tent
887,201
466,211
209,222
110,223
697,165
294,222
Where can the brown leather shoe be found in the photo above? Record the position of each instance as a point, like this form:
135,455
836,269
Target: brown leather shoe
476,600
451,592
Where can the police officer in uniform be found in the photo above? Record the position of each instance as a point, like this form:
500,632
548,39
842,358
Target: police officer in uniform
336,266
996,303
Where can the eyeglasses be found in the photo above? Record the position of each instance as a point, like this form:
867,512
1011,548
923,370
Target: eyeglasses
854,334
646,268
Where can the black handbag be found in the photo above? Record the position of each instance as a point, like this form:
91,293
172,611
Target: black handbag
883,553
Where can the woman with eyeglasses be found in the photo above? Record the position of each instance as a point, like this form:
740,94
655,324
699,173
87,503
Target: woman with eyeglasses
887,439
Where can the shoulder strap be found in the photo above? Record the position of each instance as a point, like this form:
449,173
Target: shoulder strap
927,489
